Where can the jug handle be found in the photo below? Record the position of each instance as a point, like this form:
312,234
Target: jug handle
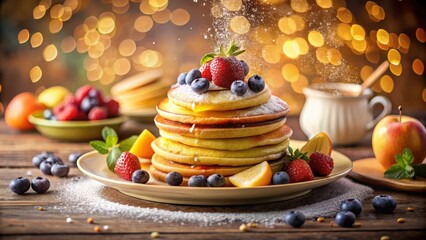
387,107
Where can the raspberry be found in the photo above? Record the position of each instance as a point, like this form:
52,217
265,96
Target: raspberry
71,100
126,164
67,113
321,164
82,92
112,107
98,113
299,171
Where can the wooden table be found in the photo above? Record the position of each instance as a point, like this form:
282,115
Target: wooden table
21,219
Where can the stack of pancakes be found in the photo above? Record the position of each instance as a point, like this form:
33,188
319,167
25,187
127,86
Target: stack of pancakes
141,92
218,132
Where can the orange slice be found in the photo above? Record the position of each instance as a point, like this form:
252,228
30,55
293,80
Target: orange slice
142,146
319,143
258,175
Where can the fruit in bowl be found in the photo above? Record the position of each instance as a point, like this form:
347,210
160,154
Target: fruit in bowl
87,103
395,133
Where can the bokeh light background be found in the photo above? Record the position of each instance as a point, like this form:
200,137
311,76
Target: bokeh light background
291,43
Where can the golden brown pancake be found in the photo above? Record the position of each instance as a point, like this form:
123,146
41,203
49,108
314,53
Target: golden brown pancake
152,90
181,153
186,170
223,100
136,81
218,131
233,144
273,109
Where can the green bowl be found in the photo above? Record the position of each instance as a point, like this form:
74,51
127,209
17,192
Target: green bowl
73,130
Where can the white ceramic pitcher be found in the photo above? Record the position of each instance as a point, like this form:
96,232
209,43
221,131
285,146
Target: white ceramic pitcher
345,118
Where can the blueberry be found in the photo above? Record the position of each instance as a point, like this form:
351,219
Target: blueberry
174,179
295,219
181,78
45,168
280,178
54,160
95,93
140,176
40,184
88,103
216,180
73,157
256,83
19,185
352,205
200,85
245,67
345,218
197,181
38,159
60,170
47,114
192,75
384,203
238,87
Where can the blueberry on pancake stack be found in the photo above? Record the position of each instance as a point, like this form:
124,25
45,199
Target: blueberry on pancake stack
217,121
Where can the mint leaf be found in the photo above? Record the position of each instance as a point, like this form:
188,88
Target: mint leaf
107,131
111,140
99,146
113,155
407,155
207,58
420,170
395,171
127,143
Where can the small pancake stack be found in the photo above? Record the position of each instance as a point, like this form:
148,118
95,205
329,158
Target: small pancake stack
218,132
139,94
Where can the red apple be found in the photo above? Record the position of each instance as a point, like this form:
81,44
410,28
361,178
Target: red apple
392,135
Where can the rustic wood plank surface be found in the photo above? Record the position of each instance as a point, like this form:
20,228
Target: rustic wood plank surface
21,219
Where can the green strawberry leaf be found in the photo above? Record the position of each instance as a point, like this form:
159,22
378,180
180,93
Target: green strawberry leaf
99,146
395,172
113,155
238,52
127,143
420,170
111,140
207,58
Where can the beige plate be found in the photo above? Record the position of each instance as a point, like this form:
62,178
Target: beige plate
371,172
93,165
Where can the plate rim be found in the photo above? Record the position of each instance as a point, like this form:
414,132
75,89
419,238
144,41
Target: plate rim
335,177
384,182
35,119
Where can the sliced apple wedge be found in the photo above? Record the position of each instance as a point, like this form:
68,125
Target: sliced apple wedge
319,143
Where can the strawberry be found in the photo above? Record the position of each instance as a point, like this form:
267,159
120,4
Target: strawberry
126,164
98,113
112,107
299,171
67,113
321,164
82,92
205,71
224,67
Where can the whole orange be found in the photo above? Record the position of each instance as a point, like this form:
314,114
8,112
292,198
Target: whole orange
18,110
